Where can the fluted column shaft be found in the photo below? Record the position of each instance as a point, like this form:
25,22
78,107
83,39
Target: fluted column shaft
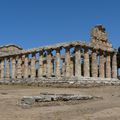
71,66
19,68
108,67
77,61
101,66
26,66
2,68
33,69
63,67
58,74
45,68
13,68
49,64
52,66
94,64
8,68
67,61
40,71
114,66
86,63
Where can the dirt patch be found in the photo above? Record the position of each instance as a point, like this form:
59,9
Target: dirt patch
107,108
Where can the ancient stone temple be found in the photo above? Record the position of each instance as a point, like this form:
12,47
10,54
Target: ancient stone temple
79,60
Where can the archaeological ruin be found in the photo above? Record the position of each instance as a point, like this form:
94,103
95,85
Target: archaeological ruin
71,60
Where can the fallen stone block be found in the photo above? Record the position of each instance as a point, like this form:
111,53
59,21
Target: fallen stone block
46,97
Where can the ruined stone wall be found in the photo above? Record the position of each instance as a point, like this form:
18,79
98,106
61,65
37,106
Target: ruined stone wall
63,61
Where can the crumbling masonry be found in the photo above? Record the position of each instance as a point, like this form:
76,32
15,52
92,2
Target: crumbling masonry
96,59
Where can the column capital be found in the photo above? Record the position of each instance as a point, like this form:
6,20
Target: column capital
49,51
41,51
94,50
33,54
57,49
67,48
77,47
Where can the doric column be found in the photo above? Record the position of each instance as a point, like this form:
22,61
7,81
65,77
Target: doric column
26,66
77,61
52,64
63,67
40,71
23,66
8,68
94,64
33,69
13,68
86,63
58,74
29,67
114,66
101,66
49,64
67,61
16,64
108,67
71,66
19,68
44,68
2,69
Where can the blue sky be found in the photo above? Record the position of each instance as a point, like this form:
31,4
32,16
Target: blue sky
34,23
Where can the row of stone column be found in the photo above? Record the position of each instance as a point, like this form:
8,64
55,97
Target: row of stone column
107,65
18,67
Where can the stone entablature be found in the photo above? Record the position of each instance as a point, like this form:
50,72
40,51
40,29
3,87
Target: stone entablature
8,49
72,59
53,47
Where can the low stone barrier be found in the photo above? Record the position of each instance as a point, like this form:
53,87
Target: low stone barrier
83,82
28,101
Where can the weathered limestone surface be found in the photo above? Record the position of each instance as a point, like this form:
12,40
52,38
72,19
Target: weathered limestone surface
58,74
94,64
63,68
114,66
49,64
19,69
33,69
45,68
47,97
67,62
77,62
26,67
40,71
108,66
86,63
62,62
7,68
101,66
2,68
13,68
